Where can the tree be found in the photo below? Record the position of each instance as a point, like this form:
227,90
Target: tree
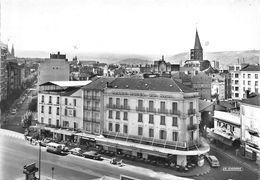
33,105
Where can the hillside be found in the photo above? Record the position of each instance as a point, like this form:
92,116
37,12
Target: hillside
134,61
225,58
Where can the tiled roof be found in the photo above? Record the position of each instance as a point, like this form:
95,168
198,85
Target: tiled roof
98,84
251,68
152,84
66,83
252,101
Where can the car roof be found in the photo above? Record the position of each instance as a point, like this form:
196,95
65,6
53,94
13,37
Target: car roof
213,158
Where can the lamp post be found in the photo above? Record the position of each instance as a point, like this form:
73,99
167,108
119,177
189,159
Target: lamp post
39,160
52,173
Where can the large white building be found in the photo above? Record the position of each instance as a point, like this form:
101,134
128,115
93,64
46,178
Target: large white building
153,117
60,106
250,126
249,79
54,69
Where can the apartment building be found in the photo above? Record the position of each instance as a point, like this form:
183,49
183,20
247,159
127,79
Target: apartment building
249,80
152,117
3,78
250,126
60,107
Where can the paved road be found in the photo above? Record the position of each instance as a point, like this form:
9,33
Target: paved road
226,161
15,152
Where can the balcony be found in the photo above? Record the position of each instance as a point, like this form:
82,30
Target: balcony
192,127
191,111
162,111
142,109
151,110
175,112
114,106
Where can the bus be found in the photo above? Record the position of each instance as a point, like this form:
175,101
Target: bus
54,148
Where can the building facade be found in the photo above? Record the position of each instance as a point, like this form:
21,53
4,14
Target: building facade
153,113
202,83
249,80
250,126
54,69
3,75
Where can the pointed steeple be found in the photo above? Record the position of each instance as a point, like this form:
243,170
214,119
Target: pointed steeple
197,44
12,50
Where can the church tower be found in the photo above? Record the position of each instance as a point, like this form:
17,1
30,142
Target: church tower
12,50
197,52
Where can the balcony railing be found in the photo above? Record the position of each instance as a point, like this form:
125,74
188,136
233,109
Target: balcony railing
191,111
162,111
151,110
142,109
114,106
175,112
192,127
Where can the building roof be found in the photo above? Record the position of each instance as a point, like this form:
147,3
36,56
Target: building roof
197,44
99,84
251,67
66,83
204,104
252,100
151,84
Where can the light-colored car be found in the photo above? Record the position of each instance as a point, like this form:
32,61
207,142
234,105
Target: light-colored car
13,111
76,151
92,155
213,161
64,148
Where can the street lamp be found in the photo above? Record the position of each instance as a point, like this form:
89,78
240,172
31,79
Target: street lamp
52,173
39,160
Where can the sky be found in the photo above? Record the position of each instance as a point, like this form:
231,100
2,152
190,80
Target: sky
130,26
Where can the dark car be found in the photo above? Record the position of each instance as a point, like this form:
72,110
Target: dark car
92,155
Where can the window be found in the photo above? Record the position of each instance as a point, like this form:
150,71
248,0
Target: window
66,112
151,133
65,123
125,103
162,106
175,121
49,109
42,120
140,131
140,117
236,88
151,105
75,125
66,101
58,111
191,135
162,120
75,102
256,90
50,99
58,100
236,81
117,128
191,105
125,115
110,126
110,101
151,118
191,120
249,76
110,114
236,75
42,98
249,82
244,89
256,76
174,107
244,75
49,121
140,103
42,109
125,129
244,82
74,113
175,136
256,83
117,102
117,114
162,134
57,123
236,94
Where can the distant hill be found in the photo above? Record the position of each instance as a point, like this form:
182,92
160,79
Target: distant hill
134,61
225,58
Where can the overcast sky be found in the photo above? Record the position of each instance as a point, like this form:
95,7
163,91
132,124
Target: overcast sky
130,26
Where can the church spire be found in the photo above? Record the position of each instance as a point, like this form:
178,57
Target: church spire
197,44
12,50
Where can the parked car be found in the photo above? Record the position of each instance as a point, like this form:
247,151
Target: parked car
92,155
64,148
13,111
213,161
44,142
76,151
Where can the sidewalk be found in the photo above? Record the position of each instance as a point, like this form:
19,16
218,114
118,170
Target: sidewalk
247,163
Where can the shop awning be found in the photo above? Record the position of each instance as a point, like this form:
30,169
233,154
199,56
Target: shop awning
224,140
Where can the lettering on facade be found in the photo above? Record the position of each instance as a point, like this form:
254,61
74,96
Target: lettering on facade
153,95
120,93
166,96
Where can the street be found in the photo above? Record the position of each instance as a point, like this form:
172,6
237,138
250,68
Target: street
16,152
227,162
